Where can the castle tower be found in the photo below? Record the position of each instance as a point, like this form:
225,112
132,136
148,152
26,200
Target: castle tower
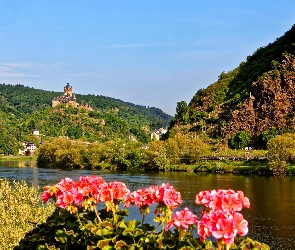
68,90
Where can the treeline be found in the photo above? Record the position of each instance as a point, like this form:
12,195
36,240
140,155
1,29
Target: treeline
180,153
62,153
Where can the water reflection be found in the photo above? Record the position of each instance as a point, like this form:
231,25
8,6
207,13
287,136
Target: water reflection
271,216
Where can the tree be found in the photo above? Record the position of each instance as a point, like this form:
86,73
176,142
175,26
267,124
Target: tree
281,149
182,112
240,140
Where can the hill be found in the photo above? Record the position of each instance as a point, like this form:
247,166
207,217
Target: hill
23,109
255,98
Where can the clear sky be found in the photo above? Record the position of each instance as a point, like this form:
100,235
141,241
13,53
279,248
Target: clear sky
152,53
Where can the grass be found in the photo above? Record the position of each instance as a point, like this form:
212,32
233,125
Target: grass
18,158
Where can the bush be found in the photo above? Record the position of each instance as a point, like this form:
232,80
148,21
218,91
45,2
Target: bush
21,208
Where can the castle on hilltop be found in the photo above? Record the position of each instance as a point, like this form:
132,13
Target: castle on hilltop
69,99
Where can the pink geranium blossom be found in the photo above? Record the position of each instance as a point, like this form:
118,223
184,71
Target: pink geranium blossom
222,219
113,191
225,230
68,198
140,198
182,219
168,195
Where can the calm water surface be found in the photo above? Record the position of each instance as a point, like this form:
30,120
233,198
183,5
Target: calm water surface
271,216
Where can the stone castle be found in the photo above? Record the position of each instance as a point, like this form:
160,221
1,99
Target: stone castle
69,99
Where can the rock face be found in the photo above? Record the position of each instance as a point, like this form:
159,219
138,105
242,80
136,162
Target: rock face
271,102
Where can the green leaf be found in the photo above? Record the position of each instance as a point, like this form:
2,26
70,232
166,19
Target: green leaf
120,244
61,236
91,247
122,224
186,248
133,224
107,224
108,248
59,221
137,232
101,231
128,232
102,243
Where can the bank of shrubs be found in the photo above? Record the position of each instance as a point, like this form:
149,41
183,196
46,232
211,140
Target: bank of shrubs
180,153
120,154
21,209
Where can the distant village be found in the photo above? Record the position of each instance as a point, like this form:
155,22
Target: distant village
69,99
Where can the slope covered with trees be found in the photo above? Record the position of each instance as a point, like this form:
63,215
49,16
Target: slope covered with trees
23,109
255,98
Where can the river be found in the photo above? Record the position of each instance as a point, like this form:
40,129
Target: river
271,215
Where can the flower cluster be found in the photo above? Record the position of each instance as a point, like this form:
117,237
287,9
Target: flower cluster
88,191
164,194
182,219
222,219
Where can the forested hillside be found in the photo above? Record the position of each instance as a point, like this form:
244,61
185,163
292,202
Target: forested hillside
23,109
250,101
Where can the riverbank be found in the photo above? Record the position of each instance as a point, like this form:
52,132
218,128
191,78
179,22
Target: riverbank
18,158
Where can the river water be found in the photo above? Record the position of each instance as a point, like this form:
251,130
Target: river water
271,215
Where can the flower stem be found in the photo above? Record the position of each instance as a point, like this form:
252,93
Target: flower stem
78,217
156,227
95,211
142,220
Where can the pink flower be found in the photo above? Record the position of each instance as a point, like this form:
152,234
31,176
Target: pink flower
140,198
240,224
168,195
89,186
225,230
182,219
113,191
46,196
203,227
68,198
222,219
65,184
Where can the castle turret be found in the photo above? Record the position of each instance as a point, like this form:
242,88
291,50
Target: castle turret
68,90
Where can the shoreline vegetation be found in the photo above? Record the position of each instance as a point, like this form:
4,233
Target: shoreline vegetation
180,153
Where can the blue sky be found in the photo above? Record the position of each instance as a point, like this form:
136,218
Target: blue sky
151,53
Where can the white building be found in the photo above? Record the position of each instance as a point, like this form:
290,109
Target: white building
28,148
36,132
158,133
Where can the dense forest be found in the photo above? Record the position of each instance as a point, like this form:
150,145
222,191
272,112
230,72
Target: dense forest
250,103
24,109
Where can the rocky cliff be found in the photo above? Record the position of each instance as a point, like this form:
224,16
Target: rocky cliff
271,102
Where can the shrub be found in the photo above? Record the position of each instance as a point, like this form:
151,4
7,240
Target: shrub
21,208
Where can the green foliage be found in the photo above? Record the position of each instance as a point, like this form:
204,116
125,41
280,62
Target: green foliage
269,134
61,153
121,154
240,140
281,149
23,109
21,209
